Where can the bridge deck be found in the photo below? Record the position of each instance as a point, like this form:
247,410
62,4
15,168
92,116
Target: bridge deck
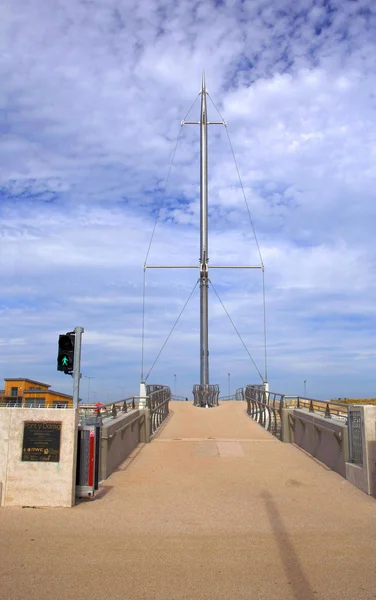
214,508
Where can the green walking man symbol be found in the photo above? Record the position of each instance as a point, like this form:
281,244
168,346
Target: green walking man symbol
64,362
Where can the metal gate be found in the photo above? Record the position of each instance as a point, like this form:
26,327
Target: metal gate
87,474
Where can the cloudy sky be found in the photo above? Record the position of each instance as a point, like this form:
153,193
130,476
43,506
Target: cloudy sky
92,96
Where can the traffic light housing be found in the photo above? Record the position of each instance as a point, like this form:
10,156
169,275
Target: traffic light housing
65,355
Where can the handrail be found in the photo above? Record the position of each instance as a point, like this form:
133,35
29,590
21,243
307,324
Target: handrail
110,409
158,398
331,409
265,408
205,395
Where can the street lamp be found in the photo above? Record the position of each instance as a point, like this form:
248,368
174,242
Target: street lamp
229,384
88,390
175,383
305,388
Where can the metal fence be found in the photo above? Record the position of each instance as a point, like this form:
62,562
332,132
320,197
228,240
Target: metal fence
265,408
328,408
158,398
355,436
111,410
205,395
239,394
237,397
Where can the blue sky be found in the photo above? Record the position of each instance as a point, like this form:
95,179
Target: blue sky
91,101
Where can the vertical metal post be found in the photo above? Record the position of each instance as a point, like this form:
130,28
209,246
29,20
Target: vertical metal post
204,346
77,365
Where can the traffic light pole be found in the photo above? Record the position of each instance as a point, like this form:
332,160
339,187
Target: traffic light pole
77,365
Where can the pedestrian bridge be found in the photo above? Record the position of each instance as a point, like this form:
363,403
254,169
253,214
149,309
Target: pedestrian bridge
213,507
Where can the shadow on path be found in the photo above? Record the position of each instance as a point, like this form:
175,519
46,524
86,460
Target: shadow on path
300,586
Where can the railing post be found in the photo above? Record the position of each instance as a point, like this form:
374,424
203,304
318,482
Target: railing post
142,403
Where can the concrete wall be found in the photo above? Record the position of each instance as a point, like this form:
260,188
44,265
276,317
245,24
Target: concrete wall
325,439
364,476
120,437
37,483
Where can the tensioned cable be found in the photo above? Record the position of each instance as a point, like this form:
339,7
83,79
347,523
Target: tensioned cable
240,337
253,229
240,181
152,237
167,178
173,327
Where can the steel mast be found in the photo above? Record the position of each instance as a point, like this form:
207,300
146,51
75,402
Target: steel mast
204,281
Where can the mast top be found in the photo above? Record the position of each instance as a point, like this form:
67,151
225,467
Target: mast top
203,87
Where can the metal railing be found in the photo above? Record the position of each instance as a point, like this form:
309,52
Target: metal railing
110,410
328,408
30,403
179,398
158,398
265,408
237,397
239,394
205,395
355,436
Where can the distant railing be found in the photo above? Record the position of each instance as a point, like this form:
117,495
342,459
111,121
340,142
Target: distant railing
239,394
205,395
31,403
158,398
226,398
329,408
237,397
179,398
109,410
265,408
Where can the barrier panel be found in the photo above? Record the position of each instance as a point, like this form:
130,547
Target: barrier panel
158,400
88,449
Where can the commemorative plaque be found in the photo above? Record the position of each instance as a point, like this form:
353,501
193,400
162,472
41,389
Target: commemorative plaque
41,441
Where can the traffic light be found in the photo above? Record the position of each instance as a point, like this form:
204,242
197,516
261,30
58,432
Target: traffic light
66,353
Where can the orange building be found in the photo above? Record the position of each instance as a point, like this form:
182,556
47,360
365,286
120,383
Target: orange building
28,393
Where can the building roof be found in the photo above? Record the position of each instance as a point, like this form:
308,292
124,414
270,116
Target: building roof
25,379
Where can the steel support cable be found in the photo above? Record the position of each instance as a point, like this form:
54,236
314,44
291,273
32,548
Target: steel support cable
166,182
253,229
173,327
152,237
234,326
240,181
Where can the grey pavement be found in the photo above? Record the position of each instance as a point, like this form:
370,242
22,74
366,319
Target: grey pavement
213,508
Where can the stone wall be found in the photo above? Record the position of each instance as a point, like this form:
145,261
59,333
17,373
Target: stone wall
29,483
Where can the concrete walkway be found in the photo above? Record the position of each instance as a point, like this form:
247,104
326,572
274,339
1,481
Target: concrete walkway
213,508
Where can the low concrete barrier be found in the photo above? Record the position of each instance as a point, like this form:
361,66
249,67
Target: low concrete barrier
325,439
120,437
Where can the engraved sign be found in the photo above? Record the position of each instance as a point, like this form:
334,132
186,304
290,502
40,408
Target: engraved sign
41,441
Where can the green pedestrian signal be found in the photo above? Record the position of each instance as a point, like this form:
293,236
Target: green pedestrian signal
65,357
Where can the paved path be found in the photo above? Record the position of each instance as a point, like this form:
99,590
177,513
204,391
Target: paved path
213,508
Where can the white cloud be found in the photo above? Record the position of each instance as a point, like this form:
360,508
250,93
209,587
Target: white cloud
90,107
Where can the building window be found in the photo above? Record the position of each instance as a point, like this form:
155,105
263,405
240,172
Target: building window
35,402
14,392
59,404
